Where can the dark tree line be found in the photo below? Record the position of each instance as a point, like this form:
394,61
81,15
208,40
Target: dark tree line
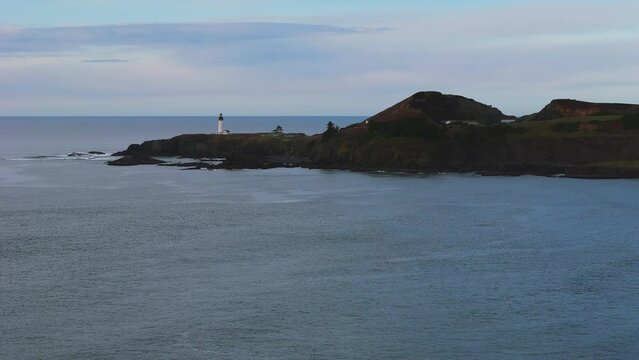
331,131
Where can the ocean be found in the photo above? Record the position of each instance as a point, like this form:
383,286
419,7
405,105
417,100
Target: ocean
146,262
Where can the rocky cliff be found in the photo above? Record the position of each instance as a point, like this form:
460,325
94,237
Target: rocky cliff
562,108
590,146
435,107
485,151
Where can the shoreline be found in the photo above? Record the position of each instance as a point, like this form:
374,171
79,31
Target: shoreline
567,171
599,146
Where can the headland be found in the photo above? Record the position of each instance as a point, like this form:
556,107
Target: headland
431,132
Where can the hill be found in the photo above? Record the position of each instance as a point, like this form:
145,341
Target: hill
566,108
437,108
413,136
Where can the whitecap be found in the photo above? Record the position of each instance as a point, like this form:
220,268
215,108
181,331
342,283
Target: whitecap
69,156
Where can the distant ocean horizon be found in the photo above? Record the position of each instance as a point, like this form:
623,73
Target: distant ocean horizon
149,262
41,135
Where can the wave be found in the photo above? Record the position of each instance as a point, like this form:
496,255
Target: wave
93,155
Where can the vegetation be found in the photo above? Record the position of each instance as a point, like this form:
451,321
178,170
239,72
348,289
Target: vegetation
500,130
406,128
630,122
401,139
551,128
601,124
331,131
628,164
565,127
514,148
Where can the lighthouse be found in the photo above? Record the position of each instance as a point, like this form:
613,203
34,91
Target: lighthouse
220,125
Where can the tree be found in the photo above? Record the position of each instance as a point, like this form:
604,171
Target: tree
278,130
331,131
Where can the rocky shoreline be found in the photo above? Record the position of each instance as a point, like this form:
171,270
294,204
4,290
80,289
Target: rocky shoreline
592,157
415,137
567,171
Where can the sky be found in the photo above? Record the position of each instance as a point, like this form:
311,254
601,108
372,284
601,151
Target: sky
310,57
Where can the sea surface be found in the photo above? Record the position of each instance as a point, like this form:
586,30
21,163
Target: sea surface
100,262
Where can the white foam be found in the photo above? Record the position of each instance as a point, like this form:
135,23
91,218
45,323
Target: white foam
70,156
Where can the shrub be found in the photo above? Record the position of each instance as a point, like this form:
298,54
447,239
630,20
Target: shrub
331,131
630,122
500,130
406,128
565,127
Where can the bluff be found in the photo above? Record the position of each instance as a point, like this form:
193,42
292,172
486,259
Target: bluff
239,151
564,108
412,137
437,108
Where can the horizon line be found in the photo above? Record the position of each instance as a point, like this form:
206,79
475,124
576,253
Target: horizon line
166,116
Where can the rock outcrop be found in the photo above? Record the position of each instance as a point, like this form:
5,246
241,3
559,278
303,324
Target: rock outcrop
137,159
437,108
411,137
562,108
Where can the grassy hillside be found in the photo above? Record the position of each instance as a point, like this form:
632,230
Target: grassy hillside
590,146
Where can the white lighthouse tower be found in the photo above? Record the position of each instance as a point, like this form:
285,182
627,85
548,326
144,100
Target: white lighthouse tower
220,125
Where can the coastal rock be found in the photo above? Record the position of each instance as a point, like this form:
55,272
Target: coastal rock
435,107
561,108
471,149
422,144
258,162
190,165
129,160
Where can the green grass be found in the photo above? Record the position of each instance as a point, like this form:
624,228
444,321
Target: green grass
563,127
627,164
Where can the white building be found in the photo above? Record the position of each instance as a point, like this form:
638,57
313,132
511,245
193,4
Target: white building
220,126
462,122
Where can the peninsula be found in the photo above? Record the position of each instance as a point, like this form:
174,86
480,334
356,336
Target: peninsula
432,132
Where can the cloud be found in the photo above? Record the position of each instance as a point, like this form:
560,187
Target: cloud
64,39
517,56
105,61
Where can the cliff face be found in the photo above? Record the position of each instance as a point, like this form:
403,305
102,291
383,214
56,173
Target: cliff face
410,136
435,107
203,145
561,108
471,149
516,154
240,151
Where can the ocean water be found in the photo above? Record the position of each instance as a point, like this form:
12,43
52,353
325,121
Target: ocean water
146,262
34,136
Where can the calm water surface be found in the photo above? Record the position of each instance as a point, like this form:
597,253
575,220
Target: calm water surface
99,262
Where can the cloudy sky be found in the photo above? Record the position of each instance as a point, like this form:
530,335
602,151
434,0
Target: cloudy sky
310,57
